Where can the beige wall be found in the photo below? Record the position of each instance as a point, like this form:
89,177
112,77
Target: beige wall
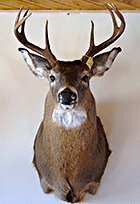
22,97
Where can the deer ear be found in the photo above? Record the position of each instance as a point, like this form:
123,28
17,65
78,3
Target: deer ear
102,62
38,65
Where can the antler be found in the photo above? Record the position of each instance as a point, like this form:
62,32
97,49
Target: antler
22,38
116,34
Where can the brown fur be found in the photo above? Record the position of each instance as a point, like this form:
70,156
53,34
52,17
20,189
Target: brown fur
71,161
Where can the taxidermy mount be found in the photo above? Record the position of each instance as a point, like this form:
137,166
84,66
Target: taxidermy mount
70,149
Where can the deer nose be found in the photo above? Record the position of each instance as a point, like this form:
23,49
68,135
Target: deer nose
67,97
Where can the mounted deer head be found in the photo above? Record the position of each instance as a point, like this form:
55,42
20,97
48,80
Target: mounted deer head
71,149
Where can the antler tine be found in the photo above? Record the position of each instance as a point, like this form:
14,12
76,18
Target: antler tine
47,48
113,18
19,23
116,33
22,38
117,29
91,38
24,16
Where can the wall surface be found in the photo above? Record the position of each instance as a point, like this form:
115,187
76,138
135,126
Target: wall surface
22,97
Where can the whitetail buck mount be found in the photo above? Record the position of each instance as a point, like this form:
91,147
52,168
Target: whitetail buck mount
70,150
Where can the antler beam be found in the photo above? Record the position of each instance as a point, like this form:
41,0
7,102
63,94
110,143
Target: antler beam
22,38
116,33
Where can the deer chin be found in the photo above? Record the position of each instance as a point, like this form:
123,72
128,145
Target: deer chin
67,107
69,118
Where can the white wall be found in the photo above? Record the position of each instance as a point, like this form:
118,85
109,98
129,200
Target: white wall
22,97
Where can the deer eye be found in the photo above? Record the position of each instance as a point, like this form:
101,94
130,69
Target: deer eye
52,78
85,78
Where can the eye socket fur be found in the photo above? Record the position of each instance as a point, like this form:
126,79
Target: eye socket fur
52,78
85,78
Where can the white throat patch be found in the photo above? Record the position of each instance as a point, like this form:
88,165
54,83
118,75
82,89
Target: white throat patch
69,118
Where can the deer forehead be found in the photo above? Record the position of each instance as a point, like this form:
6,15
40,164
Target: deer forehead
72,68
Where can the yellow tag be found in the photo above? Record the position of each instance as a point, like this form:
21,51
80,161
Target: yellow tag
89,62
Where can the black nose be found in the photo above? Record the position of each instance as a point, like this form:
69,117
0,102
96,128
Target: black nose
67,97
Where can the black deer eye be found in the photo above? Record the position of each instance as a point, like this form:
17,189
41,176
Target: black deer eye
52,78
85,78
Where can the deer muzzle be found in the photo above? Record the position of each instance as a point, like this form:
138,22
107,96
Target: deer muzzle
67,98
